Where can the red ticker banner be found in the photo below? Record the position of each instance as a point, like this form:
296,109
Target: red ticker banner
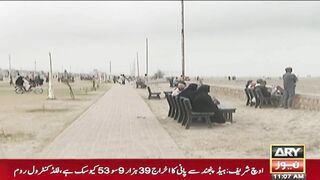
218,169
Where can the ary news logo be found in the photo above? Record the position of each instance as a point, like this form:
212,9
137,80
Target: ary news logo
287,162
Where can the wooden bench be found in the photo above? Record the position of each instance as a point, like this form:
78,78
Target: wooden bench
227,112
177,107
191,114
153,94
173,107
180,109
142,85
170,103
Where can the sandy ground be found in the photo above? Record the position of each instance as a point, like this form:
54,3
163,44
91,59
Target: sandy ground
249,136
28,122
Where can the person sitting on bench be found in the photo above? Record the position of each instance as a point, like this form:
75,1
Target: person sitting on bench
189,92
202,102
262,85
179,88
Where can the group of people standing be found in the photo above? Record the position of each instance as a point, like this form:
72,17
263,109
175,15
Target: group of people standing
120,79
200,99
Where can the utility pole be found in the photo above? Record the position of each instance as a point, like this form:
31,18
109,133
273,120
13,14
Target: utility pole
138,64
35,67
105,74
134,67
50,89
147,57
182,39
9,66
109,70
10,78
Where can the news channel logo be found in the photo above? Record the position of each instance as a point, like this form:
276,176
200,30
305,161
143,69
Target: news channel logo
288,162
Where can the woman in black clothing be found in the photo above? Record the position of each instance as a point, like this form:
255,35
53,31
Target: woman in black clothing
248,83
189,91
202,102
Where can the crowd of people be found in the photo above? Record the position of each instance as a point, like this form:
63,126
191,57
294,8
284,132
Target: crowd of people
281,96
200,99
121,79
26,83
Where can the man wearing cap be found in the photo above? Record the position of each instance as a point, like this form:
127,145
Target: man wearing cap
289,84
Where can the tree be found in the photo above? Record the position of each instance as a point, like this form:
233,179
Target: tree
66,80
50,89
158,75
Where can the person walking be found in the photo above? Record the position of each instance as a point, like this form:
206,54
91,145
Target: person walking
289,84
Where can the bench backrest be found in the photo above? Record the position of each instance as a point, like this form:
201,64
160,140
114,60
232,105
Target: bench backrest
176,100
187,104
182,99
172,101
169,97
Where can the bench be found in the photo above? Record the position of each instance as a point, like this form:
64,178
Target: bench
180,109
170,103
173,107
191,114
227,112
177,108
153,94
141,84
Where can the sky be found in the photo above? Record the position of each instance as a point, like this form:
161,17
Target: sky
221,38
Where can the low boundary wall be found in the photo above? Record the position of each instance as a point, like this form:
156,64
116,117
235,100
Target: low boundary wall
301,101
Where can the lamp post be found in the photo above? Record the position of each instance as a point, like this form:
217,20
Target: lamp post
182,40
10,78
109,70
138,65
147,57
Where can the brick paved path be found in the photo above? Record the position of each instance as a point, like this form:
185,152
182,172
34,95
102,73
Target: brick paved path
119,125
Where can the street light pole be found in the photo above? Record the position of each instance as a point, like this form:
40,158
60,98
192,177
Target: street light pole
147,57
182,40
9,66
138,65
35,67
109,70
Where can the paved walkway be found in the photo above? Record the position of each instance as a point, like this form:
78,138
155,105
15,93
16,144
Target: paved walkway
119,125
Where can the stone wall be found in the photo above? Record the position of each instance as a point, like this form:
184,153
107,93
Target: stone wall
302,101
